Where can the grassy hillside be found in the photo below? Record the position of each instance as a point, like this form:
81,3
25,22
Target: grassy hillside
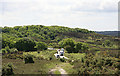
49,34
24,51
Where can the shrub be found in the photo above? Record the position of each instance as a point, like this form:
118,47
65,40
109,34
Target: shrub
78,47
28,59
85,47
68,44
51,58
14,56
7,49
69,49
62,60
81,47
117,65
13,50
41,46
25,44
3,51
108,43
7,70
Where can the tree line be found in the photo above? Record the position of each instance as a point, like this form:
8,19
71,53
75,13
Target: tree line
36,37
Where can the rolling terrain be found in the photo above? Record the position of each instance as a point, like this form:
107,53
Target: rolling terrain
24,51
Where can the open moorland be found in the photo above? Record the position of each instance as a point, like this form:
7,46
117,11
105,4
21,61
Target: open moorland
30,50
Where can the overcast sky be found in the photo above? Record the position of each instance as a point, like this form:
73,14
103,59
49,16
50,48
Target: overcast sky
96,15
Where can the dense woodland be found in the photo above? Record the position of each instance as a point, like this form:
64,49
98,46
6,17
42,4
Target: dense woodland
47,34
88,52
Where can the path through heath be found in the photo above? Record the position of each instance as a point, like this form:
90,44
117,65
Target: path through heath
61,70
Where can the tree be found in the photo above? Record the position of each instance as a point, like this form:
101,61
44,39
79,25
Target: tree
68,44
25,44
78,47
81,47
41,46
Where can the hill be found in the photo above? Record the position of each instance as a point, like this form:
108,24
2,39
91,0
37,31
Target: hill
42,33
87,52
52,35
112,33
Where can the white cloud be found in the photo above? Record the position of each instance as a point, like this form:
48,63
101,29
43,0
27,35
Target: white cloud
109,6
71,13
96,6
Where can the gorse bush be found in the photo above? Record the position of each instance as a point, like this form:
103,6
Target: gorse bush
62,59
3,51
95,64
28,58
13,50
7,50
7,70
13,56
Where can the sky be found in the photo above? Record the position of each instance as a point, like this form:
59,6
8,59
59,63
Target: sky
95,15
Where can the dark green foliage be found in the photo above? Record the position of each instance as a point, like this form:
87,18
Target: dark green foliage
68,41
13,56
62,60
117,65
7,70
7,49
28,59
3,51
69,48
81,47
68,44
7,40
25,44
41,46
85,47
72,47
42,33
13,50
78,47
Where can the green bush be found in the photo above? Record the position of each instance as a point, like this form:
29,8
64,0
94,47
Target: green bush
13,50
14,56
62,60
68,44
7,49
7,70
41,46
96,64
117,65
3,51
69,49
25,44
108,43
72,47
81,47
28,58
